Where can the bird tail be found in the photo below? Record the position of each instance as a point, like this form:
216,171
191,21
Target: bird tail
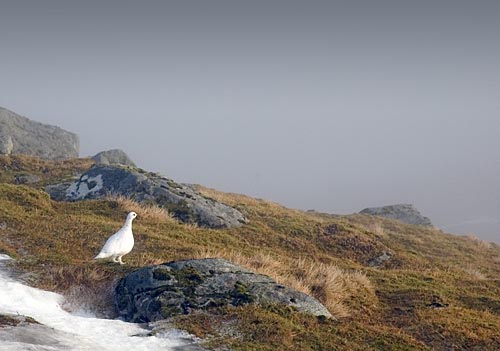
101,255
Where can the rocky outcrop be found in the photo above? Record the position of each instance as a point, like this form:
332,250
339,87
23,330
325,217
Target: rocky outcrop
404,213
158,292
183,202
19,135
113,157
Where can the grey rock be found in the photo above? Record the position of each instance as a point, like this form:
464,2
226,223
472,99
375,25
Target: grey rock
14,320
6,144
19,135
18,329
180,287
379,260
182,201
113,157
404,213
26,179
57,192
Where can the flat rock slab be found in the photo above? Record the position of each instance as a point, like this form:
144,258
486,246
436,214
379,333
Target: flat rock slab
180,287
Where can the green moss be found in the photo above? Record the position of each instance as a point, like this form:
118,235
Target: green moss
240,294
173,184
162,274
188,276
276,327
179,210
169,311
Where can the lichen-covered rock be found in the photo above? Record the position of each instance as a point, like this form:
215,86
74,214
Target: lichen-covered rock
6,144
379,260
19,135
113,157
405,213
183,202
26,179
158,292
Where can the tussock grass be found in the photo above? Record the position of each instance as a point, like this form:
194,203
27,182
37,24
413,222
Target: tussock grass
87,288
46,170
148,259
326,282
475,273
482,244
376,227
150,212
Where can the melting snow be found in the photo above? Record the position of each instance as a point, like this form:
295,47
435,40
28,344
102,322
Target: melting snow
70,331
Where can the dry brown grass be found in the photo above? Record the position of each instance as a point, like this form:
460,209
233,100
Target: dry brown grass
474,273
271,209
45,169
481,244
145,211
148,259
227,198
85,288
377,228
329,284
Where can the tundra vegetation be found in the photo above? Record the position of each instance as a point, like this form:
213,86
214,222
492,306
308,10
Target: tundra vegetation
432,290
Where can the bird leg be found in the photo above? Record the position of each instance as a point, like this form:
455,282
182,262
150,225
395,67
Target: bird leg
114,259
120,260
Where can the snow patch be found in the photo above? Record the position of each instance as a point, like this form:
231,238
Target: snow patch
76,332
84,186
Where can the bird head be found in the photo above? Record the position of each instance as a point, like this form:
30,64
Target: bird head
131,216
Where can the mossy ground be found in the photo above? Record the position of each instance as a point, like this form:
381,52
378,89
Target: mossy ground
438,291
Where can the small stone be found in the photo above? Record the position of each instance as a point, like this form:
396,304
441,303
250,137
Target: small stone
26,179
377,261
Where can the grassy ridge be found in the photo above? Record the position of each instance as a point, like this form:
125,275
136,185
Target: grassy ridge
437,291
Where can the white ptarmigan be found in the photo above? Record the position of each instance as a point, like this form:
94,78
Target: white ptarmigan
120,243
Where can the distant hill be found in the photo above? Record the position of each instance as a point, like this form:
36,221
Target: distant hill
20,135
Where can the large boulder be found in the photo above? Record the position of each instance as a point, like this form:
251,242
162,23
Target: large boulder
113,157
182,201
158,292
405,213
19,135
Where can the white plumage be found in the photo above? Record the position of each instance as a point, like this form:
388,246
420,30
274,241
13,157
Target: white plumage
120,243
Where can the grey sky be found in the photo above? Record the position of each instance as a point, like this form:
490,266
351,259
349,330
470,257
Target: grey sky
331,105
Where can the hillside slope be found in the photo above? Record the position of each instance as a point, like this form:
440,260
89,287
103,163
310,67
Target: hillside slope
390,285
